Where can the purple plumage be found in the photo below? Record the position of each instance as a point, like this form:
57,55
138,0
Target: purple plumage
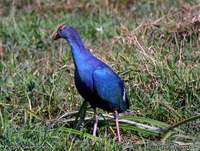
96,82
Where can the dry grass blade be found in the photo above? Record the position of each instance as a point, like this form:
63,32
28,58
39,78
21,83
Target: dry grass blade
68,118
142,50
193,118
1,49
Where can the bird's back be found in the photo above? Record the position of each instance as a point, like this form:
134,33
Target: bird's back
109,88
100,85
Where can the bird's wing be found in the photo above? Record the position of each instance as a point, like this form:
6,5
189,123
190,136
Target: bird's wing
109,86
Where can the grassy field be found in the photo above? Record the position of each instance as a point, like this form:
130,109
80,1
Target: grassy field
152,44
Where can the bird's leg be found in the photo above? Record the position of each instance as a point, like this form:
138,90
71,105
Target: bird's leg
117,125
95,123
81,115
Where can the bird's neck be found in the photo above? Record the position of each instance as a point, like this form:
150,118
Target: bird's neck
79,52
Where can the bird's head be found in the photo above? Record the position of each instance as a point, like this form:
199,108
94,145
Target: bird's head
68,33
63,31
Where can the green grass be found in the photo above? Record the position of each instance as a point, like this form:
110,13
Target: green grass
161,68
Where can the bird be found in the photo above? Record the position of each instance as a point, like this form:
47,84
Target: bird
95,81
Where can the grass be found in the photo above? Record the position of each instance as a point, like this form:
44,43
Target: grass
153,45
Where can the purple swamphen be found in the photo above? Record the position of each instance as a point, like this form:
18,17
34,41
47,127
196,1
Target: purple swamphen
96,81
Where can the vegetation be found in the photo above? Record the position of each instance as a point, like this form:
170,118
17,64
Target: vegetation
153,45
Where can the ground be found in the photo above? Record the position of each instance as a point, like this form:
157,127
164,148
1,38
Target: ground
152,44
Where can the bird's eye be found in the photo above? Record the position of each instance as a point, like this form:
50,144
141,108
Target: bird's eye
61,27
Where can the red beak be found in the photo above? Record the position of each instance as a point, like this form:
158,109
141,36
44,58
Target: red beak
55,36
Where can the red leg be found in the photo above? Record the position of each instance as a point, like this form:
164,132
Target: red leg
117,126
95,123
